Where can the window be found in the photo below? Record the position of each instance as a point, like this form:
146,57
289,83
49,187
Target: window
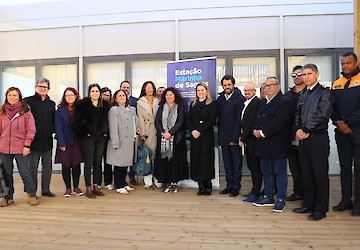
143,71
20,77
253,70
61,77
109,74
324,64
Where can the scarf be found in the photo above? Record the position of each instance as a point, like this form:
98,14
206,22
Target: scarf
168,122
11,111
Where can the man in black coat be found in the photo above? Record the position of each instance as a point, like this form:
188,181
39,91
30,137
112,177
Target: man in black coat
273,132
247,140
311,123
43,110
293,158
230,104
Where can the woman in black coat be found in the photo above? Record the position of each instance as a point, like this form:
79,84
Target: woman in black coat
171,164
91,126
200,121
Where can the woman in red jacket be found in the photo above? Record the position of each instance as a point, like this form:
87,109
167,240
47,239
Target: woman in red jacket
17,131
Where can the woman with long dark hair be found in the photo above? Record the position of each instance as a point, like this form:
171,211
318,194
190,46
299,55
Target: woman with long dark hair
17,131
171,148
68,151
147,106
200,122
90,124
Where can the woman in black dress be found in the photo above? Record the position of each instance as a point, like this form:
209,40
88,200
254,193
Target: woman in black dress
200,121
171,161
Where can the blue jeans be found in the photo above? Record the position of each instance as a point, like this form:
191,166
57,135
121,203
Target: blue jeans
274,168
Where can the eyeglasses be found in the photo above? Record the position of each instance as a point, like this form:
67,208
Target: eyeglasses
293,75
42,87
248,90
266,86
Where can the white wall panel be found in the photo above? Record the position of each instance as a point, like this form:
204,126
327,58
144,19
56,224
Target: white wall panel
254,33
229,34
39,44
310,32
134,38
344,30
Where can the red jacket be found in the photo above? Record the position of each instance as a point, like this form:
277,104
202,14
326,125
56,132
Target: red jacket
17,133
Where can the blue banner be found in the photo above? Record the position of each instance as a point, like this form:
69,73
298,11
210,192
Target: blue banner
186,74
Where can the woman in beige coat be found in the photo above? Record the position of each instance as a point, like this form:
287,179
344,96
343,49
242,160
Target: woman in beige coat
124,128
147,106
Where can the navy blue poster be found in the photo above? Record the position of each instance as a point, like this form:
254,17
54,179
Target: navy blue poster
184,75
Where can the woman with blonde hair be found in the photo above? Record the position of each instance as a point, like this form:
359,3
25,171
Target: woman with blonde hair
200,122
17,131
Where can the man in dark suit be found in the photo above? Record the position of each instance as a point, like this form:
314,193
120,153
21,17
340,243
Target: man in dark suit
273,133
230,104
247,140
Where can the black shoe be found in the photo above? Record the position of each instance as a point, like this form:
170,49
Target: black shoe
207,192
247,195
234,193
201,192
48,194
317,216
251,198
294,197
225,191
302,210
343,205
356,209
134,182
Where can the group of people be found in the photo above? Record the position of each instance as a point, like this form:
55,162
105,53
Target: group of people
270,131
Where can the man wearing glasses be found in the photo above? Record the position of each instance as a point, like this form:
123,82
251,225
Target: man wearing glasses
247,139
43,110
293,158
273,132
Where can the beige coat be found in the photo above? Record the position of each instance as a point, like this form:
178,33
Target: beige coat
147,121
122,125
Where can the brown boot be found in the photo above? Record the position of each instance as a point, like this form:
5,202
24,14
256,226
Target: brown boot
89,193
32,200
6,202
97,191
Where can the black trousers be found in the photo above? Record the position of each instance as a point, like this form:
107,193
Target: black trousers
67,170
92,148
295,168
349,152
108,172
314,160
253,164
119,176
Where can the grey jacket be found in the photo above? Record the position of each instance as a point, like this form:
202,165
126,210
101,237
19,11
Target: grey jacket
122,143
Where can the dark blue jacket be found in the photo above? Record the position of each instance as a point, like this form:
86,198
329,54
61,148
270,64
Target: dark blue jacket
64,132
133,101
229,117
275,119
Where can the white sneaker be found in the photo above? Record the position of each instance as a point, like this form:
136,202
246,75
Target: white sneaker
122,191
168,189
109,187
128,188
174,188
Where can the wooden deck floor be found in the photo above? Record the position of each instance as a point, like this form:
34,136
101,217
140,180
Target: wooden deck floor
147,219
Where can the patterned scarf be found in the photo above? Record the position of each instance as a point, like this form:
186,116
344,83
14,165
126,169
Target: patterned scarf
11,111
168,122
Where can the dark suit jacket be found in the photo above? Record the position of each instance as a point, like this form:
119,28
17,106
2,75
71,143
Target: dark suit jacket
229,117
275,121
248,122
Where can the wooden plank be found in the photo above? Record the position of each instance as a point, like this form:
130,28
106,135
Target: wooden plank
147,219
